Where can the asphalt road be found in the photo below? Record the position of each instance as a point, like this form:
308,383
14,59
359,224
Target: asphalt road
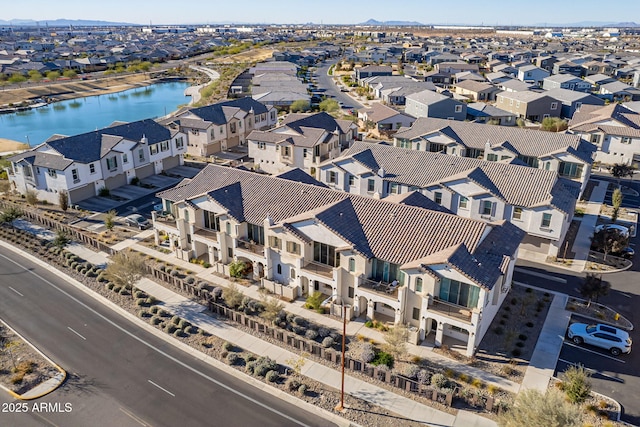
326,82
120,374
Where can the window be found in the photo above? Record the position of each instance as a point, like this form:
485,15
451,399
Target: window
293,247
578,105
626,140
458,109
112,163
486,207
230,252
416,313
325,254
164,146
517,213
554,105
286,151
352,180
75,176
153,149
492,157
386,271
459,293
350,292
393,188
52,173
418,284
547,166
221,130
304,152
279,269
371,185
92,168
275,242
213,133
463,202
262,146
437,197
141,155
570,170
125,158
180,142
255,233
546,220
228,228
211,221
232,127
352,264
595,139
333,177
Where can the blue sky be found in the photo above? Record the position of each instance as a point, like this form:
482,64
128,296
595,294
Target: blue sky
487,12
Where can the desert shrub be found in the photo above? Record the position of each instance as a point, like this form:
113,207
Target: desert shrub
173,273
190,280
138,294
178,333
299,330
576,383
311,334
300,321
292,384
154,309
155,320
141,301
233,358
227,346
151,300
411,371
302,389
175,320
383,358
183,323
170,328
327,342
191,329
368,353
423,376
323,332
272,376
533,408
368,324
217,292
264,365
123,291
439,381
250,367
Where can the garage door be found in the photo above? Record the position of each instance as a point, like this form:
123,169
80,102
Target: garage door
115,181
170,162
145,171
535,244
84,192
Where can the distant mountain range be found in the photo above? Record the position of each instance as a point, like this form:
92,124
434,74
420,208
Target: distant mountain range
591,24
61,23
373,22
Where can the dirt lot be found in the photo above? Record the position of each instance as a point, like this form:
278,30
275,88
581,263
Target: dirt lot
251,55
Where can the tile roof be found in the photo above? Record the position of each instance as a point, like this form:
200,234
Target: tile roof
526,142
376,228
515,185
44,160
90,147
589,117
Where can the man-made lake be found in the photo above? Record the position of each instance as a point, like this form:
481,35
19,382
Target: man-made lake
82,115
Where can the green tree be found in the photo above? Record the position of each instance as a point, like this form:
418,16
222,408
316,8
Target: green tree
35,76
301,105
616,201
53,75
125,269
534,408
237,269
232,296
592,287
609,240
620,170
554,124
17,78
70,74
329,105
109,219
63,200
576,384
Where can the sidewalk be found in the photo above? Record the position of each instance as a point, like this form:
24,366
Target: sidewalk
582,242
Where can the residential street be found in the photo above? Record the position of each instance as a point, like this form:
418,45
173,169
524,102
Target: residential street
118,373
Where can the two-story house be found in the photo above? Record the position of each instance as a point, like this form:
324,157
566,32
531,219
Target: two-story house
568,155
224,125
532,74
301,141
431,104
572,101
566,81
535,200
82,165
614,129
529,105
389,261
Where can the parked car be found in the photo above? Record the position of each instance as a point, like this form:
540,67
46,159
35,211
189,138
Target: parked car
627,253
615,340
622,229
137,220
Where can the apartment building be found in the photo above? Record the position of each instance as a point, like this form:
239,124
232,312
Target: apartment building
388,261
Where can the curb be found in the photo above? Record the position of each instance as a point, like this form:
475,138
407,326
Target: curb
62,372
342,422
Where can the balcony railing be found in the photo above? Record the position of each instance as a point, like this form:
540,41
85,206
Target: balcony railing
206,233
451,310
379,287
322,158
321,269
251,247
163,218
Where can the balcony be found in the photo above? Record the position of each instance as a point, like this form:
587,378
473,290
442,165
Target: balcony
250,247
451,310
207,233
379,287
322,158
319,269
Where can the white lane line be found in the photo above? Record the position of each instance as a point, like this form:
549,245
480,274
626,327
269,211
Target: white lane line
134,417
159,351
161,388
593,371
594,352
76,332
16,291
544,276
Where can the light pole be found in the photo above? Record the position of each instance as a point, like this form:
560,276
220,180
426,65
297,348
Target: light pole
340,406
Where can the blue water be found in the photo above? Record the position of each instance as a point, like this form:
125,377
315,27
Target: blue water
82,115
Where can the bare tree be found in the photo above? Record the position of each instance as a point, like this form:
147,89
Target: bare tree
593,287
125,269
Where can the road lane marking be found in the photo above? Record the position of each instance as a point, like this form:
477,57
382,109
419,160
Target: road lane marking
151,346
594,352
134,417
593,371
75,332
16,291
161,388
544,276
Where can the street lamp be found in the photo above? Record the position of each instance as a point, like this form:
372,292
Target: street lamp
340,406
